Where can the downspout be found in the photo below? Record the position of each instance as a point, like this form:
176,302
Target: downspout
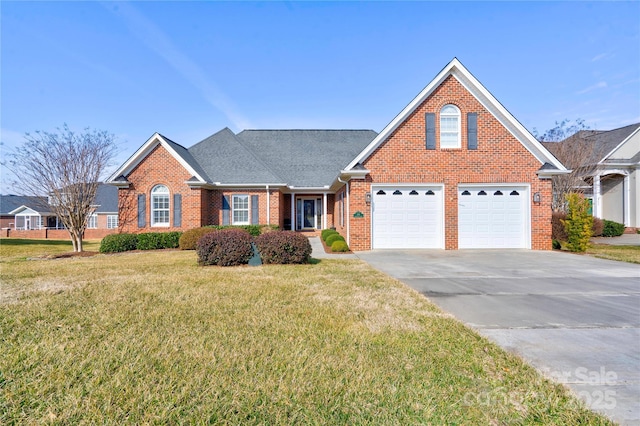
346,183
268,209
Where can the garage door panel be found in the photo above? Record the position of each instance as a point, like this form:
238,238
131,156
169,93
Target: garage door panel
489,217
406,217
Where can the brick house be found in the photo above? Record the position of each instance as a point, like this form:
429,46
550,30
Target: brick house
454,169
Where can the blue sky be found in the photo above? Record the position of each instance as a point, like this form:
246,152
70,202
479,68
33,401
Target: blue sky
189,69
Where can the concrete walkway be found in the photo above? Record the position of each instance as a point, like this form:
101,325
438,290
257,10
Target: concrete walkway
317,251
622,240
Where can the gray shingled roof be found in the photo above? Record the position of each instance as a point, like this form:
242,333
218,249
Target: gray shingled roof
307,158
9,203
228,161
186,155
106,200
599,142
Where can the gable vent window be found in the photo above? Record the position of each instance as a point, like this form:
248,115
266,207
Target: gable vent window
381,192
397,192
413,192
514,193
482,193
449,127
498,193
429,192
466,193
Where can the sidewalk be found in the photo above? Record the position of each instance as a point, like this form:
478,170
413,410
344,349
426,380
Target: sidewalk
317,251
622,240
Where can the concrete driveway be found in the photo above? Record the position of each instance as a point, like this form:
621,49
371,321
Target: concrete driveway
575,318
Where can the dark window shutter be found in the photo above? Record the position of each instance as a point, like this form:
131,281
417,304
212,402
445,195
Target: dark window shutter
254,210
142,210
472,130
226,210
177,210
430,127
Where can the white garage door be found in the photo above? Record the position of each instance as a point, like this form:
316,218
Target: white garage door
493,217
407,217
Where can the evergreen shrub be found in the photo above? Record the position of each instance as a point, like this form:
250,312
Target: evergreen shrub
339,246
612,229
578,223
116,243
333,238
190,238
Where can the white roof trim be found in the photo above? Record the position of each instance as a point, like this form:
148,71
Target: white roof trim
460,73
145,150
26,211
619,145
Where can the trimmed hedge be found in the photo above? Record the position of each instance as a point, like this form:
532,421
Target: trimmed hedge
190,238
326,232
158,240
116,243
333,238
339,246
612,229
283,247
227,247
253,230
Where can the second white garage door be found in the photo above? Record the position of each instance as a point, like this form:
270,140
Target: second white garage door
493,217
407,217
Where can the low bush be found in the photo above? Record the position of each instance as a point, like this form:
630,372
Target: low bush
556,245
339,246
598,227
333,238
558,232
283,247
158,240
227,247
116,243
612,229
189,239
326,232
253,230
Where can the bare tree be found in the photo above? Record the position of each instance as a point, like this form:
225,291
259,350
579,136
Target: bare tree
65,167
573,145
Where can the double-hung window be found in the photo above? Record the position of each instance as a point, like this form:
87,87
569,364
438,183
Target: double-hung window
92,221
240,209
449,127
112,221
160,206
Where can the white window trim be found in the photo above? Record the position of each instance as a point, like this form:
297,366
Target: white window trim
110,219
233,210
153,209
92,221
458,115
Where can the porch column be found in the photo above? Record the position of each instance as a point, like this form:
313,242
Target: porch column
293,212
626,210
268,209
324,211
596,196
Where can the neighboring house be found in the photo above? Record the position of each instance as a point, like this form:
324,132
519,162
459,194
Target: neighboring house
609,170
21,214
454,169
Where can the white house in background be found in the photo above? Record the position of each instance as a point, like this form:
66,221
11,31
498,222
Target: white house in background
611,172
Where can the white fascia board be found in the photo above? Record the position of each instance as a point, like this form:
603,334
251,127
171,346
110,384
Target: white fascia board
244,185
460,73
354,174
548,174
619,145
145,150
28,211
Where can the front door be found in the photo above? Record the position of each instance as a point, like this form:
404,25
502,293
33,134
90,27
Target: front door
309,214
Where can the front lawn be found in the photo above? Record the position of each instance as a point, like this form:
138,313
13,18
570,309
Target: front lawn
150,337
629,254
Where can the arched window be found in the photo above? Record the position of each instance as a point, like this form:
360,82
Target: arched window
449,127
160,206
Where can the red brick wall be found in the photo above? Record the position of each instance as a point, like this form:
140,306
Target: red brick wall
160,167
215,204
500,158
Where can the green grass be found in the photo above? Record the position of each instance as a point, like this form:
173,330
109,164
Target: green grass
629,254
21,248
152,338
